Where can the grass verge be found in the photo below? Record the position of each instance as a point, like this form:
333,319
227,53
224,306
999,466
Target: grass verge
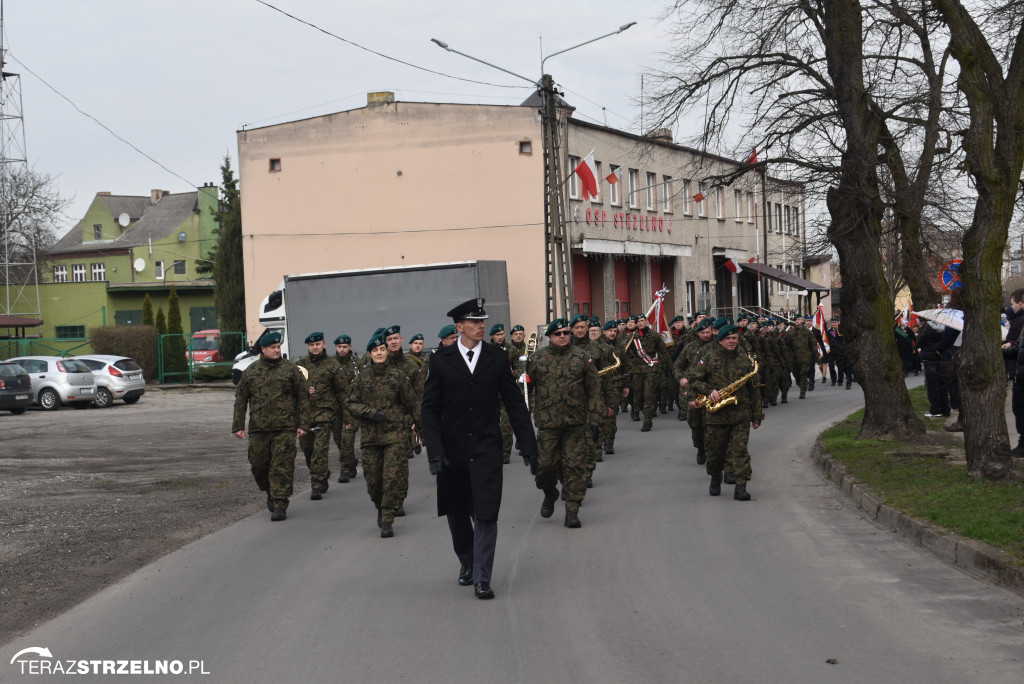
927,479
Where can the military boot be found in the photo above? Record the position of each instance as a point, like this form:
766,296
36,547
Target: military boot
773,402
662,408
343,478
729,478
572,520
387,531
803,394
547,507
278,514
702,457
715,488
590,482
270,503
784,398
315,494
648,424
740,493
680,415
400,513
635,415
608,448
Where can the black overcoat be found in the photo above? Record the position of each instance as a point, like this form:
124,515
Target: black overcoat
459,423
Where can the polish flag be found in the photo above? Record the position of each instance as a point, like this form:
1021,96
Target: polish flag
587,172
819,323
752,157
615,176
733,265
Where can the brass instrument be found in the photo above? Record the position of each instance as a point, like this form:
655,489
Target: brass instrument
531,347
609,369
531,343
725,395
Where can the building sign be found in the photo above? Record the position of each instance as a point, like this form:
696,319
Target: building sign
600,217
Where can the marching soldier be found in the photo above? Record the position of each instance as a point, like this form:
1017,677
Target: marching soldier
277,398
516,346
384,399
805,352
413,370
416,349
326,388
727,430
645,350
684,366
609,425
785,354
344,427
601,358
565,393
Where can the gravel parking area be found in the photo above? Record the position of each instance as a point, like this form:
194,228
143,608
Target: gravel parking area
87,497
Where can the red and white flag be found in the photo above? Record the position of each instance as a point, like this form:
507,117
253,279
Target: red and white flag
587,172
615,176
656,314
752,157
733,265
819,323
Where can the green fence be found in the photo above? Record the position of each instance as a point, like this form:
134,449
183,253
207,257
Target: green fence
34,346
177,356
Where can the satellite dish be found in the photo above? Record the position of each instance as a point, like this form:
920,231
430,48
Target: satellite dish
124,219
139,264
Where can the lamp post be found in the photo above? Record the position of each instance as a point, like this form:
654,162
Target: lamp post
556,243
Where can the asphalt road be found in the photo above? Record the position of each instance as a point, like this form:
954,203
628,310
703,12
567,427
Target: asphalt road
662,584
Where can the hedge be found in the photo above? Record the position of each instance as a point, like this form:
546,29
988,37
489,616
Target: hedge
135,341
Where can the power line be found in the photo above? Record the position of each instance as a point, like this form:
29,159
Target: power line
381,54
100,123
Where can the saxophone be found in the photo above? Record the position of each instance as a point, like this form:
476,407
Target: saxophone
609,369
725,395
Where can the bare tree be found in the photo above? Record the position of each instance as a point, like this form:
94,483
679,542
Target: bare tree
992,81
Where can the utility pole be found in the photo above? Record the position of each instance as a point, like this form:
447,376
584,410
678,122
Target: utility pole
558,267
18,265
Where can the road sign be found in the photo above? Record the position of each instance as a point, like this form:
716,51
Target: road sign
951,275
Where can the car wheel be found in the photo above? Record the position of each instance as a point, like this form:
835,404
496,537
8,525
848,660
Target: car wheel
131,400
17,411
104,399
49,400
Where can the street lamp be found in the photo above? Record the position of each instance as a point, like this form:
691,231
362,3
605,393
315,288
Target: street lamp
556,254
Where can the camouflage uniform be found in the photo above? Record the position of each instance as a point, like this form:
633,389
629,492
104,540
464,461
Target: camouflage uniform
277,398
330,389
600,357
785,356
805,352
565,396
727,431
344,427
413,370
684,367
614,380
646,378
384,387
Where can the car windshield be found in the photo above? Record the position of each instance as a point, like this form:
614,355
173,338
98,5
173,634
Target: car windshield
10,370
75,366
127,365
205,343
93,364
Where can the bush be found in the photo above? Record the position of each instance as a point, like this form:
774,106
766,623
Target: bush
135,341
211,373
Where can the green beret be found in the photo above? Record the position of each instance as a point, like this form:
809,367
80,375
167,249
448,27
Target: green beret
633,318
497,328
268,338
518,328
719,322
416,337
378,331
742,317
677,318
342,339
376,341
701,312
393,330
727,330
595,322
556,324
314,337
446,331
610,324
704,323
580,318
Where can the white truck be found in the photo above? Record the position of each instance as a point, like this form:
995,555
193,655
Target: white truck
357,302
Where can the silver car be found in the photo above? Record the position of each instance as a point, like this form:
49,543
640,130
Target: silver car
57,380
117,377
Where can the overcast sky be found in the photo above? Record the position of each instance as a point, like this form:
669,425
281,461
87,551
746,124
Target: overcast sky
178,78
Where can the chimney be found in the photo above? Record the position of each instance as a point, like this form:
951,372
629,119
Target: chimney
156,195
105,193
380,97
661,134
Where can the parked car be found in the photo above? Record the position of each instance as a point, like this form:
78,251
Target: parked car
204,347
15,388
117,377
57,380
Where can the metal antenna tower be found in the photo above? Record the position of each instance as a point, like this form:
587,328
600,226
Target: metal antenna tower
18,265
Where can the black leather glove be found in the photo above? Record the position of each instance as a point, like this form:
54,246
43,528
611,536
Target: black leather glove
435,465
378,416
530,460
595,432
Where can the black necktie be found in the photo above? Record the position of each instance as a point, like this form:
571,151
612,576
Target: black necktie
469,355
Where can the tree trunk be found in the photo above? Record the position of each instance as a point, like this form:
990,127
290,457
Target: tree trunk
856,228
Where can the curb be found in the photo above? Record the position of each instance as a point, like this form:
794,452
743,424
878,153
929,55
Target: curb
168,387
968,554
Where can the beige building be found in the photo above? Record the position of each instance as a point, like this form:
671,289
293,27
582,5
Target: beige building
403,183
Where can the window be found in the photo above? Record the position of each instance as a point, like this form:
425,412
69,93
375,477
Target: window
60,274
596,199
796,221
768,218
666,197
525,147
99,271
737,205
691,297
701,203
159,266
778,218
687,197
128,317
78,273
275,165
720,202
787,220
634,183
179,267
574,182
70,332
97,231
613,188
750,207
652,195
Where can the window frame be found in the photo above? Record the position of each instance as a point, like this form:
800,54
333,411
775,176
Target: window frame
67,331
687,197
634,186
158,269
652,191
720,203
666,194
737,201
78,273
60,274
98,271
574,182
614,196
97,232
184,267
702,205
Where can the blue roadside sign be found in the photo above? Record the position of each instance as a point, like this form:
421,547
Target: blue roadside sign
951,275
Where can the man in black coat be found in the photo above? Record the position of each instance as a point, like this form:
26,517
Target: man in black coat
459,423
